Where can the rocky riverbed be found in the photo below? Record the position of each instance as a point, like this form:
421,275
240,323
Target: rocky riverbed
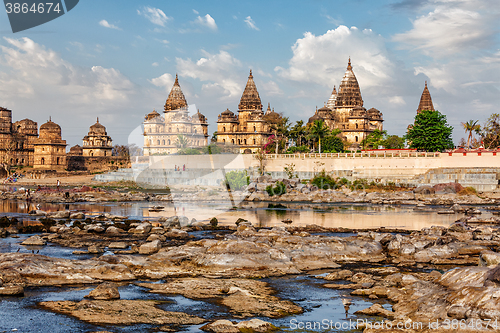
434,276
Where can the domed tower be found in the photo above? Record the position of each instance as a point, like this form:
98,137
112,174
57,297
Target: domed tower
50,148
332,100
425,101
349,94
97,142
176,102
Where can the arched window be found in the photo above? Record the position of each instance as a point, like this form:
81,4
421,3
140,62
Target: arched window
356,125
245,141
254,129
254,141
169,142
42,161
232,141
224,140
356,139
163,142
158,142
239,141
224,129
57,161
17,161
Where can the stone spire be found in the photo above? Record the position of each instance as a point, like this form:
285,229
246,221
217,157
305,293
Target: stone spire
425,101
349,94
176,99
250,100
333,98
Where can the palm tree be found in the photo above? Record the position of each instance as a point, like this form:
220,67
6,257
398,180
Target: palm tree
297,132
469,127
182,141
318,130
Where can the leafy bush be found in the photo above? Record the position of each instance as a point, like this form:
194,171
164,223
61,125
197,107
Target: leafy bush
359,184
279,189
214,223
237,180
343,181
469,190
324,181
297,149
290,170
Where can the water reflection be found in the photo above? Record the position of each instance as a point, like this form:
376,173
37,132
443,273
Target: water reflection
358,216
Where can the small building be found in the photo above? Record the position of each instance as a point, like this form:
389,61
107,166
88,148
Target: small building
50,148
97,142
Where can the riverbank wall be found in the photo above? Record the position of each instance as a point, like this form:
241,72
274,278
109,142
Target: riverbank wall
479,170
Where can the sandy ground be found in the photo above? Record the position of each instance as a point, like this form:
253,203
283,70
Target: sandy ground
65,181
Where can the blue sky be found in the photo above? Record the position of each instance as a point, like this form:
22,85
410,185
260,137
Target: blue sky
116,60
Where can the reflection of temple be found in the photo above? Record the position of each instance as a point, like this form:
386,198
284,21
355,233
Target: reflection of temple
50,148
176,129
345,111
97,142
248,129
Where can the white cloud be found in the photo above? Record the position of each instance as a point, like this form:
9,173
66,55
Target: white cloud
445,32
271,88
250,23
166,80
323,59
206,21
195,11
33,75
154,15
397,100
106,24
217,69
155,64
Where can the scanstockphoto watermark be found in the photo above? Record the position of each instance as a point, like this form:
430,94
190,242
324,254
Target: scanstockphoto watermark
26,14
327,324
452,325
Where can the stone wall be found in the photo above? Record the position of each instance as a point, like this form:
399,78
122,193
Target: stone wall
481,171
96,163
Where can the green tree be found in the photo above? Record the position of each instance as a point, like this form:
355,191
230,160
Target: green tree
430,132
394,142
214,137
491,131
182,141
374,139
317,131
333,144
469,127
298,133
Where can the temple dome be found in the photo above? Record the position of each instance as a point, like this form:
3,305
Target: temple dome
425,101
349,93
50,130
152,115
176,99
97,129
250,100
332,100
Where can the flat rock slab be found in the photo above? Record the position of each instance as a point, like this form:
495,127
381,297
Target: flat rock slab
11,291
244,297
35,241
121,312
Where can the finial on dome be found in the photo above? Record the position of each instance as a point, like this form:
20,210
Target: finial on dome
50,118
250,73
97,119
176,79
349,64
426,83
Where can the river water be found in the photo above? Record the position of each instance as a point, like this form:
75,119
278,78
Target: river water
23,314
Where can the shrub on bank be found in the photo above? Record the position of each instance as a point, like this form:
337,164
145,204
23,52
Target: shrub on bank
324,181
279,189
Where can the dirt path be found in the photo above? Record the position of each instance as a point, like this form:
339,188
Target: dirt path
65,181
